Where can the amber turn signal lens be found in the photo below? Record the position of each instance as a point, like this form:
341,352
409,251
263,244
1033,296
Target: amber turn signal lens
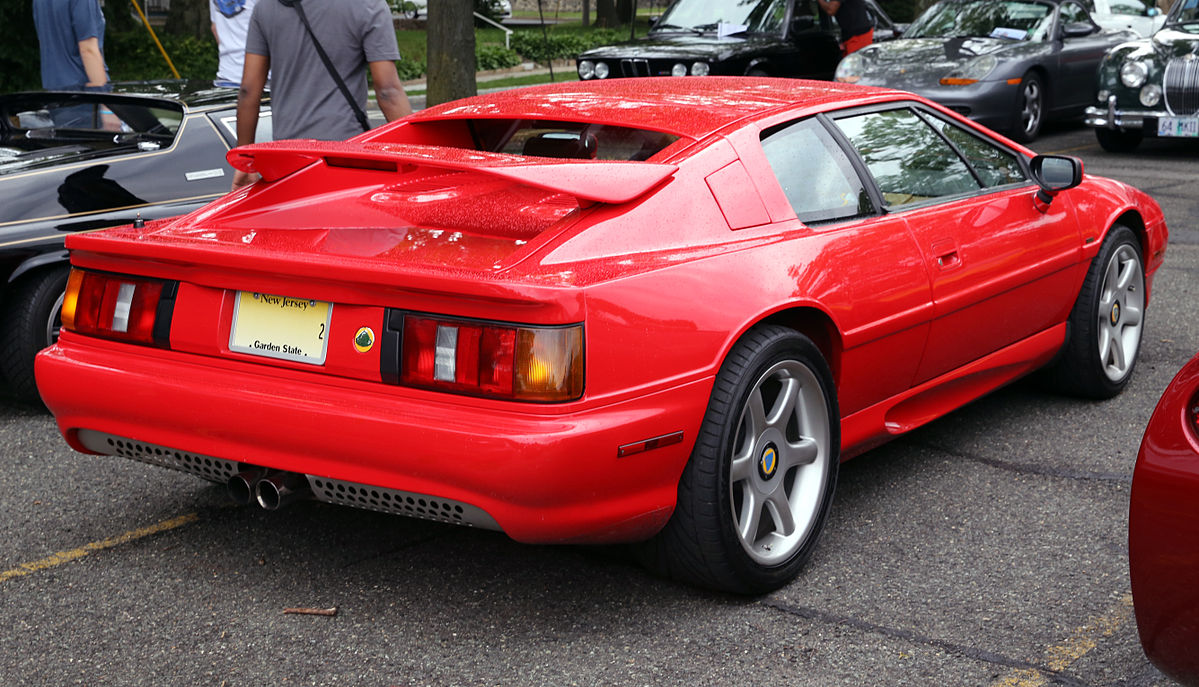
494,359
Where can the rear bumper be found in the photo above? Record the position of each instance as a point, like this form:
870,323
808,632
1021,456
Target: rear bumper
542,475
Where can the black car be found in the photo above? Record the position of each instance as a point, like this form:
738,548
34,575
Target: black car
1150,87
732,38
74,161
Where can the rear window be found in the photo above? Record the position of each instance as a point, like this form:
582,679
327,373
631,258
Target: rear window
537,138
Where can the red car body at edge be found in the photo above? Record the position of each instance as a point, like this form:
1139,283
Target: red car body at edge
1163,530
651,310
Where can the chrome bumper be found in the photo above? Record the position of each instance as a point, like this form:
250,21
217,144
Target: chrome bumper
1110,118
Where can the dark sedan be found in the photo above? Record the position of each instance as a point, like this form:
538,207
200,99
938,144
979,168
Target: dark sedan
1008,64
73,162
732,38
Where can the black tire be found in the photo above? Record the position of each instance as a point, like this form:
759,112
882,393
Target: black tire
750,477
1119,140
757,72
30,319
1107,322
1029,115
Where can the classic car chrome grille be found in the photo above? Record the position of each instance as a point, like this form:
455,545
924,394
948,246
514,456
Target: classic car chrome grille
637,67
205,467
1181,86
400,503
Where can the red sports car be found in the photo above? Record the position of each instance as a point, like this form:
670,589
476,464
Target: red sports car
646,310
1163,531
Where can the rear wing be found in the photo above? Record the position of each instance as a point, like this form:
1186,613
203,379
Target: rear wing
598,181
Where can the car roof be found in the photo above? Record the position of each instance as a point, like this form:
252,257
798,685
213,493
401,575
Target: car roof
684,106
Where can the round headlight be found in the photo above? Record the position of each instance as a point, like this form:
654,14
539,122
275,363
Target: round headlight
700,69
679,69
586,69
1133,74
1151,95
602,70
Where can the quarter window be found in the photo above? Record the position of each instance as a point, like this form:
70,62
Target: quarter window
908,160
993,165
815,173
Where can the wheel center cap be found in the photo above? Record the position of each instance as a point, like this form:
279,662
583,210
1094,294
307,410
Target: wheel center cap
1115,316
768,462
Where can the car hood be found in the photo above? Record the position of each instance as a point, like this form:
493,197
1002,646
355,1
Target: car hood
684,46
1170,42
1167,44
910,62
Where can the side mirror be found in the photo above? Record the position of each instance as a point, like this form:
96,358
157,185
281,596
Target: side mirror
1077,29
1054,174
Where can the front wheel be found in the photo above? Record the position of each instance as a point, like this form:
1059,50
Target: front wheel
30,320
756,492
1106,323
1030,109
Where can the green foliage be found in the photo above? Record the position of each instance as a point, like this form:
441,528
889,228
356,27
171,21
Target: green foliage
560,45
133,56
490,56
410,68
19,61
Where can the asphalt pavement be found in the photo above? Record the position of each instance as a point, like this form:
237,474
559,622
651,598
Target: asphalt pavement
987,548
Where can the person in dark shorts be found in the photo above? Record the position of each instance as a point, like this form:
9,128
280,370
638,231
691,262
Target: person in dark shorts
857,27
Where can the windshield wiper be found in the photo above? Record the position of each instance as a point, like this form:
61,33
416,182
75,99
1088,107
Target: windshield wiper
672,27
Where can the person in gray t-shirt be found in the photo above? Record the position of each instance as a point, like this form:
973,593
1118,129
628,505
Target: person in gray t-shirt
305,100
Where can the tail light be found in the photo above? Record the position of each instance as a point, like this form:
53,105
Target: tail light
120,307
491,359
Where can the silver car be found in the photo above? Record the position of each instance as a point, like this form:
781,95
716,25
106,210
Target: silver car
1008,64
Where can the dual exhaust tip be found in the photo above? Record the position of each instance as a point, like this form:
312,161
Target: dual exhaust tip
270,489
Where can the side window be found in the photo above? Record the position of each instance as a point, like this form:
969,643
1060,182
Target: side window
993,165
1071,13
908,160
815,174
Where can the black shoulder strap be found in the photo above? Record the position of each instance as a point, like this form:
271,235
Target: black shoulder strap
341,85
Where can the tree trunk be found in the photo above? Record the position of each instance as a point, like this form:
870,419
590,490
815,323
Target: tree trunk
451,51
187,18
586,13
605,14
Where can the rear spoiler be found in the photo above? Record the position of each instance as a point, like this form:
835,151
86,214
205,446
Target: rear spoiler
599,181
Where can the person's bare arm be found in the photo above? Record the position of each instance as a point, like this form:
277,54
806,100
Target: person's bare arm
249,99
93,61
389,91
215,34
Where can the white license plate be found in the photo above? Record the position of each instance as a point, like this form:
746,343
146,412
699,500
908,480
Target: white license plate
280,327
1185,127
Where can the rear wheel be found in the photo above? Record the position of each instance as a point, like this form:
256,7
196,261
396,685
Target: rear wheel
31,318
1119,140
1030,109
1107,321
756,492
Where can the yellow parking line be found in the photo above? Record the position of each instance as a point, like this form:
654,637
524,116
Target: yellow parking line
61,557
1079,644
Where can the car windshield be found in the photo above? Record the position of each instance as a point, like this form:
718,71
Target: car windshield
44,128
723,16
1185,16
1010,19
